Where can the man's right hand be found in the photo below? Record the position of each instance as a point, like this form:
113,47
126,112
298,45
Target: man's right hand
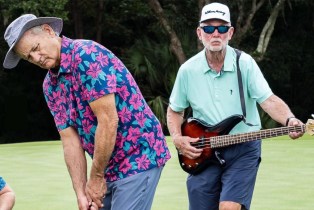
183,144
84,204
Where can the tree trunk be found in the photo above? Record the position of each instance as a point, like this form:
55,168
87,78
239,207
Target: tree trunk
99,21
244,20
175,43
201,4
268,30
77,19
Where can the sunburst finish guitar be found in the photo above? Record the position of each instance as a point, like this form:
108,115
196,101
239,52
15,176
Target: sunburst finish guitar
216,136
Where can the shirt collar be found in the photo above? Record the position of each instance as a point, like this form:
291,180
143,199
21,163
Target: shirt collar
66,57
228,62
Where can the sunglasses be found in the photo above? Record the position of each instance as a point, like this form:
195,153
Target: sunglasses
211,29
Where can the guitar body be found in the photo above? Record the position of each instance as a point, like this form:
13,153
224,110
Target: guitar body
198,129
216,136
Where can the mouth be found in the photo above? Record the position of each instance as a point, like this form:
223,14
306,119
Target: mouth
42,62
215,42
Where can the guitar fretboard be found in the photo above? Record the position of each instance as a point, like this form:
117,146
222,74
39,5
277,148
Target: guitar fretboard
226,140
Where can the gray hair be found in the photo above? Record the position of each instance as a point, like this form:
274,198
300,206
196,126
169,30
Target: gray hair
36,29
39,29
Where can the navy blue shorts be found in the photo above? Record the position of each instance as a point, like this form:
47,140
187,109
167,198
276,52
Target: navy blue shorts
233,181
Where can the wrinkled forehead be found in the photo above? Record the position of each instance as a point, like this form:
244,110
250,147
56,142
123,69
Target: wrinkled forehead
25,44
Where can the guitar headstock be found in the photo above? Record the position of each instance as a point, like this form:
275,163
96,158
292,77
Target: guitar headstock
309,127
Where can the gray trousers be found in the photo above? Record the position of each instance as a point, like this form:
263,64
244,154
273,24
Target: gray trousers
133,193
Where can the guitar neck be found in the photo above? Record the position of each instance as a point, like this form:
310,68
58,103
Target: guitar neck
226,140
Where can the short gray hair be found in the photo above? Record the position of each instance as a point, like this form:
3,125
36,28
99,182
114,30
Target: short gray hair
36,29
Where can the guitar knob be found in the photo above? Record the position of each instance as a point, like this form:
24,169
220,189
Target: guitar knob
196,163
190,166
182,164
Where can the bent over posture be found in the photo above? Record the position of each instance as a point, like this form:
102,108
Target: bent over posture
98,109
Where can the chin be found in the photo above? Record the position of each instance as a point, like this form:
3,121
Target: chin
215,48
45,67
48,66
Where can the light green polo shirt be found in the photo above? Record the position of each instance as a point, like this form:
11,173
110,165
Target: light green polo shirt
214,97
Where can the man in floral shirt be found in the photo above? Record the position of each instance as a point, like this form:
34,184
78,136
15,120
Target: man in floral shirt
98,108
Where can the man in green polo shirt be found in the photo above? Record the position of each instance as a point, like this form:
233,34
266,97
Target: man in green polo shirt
208,83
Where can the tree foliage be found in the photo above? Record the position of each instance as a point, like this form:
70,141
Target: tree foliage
14,8
153,38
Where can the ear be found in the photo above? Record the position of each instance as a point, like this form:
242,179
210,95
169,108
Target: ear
230,33
199,33
47,28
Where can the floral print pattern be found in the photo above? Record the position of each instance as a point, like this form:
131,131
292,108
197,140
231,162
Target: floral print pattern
87,72
2,183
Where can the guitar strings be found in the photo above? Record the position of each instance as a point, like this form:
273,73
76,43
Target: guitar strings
220,141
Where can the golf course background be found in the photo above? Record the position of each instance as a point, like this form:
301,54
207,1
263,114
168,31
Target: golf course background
37,173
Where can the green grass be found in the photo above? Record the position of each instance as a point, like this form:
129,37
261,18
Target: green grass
37,173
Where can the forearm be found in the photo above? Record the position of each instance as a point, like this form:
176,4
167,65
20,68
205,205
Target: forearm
174,122
277,109
77,168
7,198
105,139
75,160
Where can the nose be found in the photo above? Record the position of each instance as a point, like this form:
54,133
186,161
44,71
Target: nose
34,57
215,33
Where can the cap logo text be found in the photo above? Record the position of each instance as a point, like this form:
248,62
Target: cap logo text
217,11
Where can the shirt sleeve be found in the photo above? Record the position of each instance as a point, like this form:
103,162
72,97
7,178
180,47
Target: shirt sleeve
258,87
2,183
57,103
178,98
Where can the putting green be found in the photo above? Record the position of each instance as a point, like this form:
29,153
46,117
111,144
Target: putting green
37,173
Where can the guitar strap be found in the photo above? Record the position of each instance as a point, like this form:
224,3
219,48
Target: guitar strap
238,52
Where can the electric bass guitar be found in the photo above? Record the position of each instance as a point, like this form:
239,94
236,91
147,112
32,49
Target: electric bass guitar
216,136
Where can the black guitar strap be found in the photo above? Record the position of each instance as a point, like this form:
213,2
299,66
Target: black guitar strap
238,52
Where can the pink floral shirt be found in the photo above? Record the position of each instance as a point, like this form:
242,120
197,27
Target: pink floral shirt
87,72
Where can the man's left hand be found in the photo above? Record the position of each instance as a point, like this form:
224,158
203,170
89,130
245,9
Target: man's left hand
96,188
293,122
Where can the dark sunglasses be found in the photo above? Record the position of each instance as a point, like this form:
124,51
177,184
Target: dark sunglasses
211,29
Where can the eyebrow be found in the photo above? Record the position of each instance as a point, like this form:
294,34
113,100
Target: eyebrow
32,49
